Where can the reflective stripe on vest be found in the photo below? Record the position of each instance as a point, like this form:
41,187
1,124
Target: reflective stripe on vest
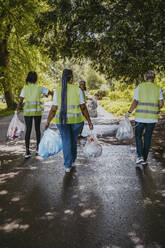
30,103
32,110
71,107
33,105
71,115
146,111
74,114
147,107
148,104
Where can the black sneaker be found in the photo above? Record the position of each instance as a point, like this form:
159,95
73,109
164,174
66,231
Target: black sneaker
28,155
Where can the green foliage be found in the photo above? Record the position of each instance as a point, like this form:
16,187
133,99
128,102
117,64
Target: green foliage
4,111
117,108
101,93
94,79
118,101
17,23
121,38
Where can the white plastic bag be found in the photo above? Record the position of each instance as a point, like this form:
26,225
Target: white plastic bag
16,127
125,130
50,143
92,148
86,131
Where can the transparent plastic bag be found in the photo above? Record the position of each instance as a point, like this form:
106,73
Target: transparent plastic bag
86,131
16,127
92,147
50,143
125,130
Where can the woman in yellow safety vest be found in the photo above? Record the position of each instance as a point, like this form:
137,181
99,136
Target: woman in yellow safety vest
69,110
31,95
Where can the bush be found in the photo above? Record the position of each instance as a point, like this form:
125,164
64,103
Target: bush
118,108
115,95
100,93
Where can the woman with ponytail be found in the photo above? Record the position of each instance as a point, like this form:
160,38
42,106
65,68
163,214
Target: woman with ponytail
69,110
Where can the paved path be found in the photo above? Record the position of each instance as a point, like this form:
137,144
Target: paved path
104,203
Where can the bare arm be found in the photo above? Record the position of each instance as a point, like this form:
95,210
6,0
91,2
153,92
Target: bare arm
20,103
50,93
52,113
133,106
160,103
86,114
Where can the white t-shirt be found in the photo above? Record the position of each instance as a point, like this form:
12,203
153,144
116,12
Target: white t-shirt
44,92
136,97
81,97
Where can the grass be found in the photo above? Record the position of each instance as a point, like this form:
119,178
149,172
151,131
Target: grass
4,111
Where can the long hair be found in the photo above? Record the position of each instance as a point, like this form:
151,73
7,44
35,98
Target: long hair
66,76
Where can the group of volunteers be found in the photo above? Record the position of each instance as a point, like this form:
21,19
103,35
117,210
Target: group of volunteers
69,111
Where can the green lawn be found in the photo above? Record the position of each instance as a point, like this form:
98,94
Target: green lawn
4,111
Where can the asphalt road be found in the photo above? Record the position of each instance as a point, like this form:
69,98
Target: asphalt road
105,202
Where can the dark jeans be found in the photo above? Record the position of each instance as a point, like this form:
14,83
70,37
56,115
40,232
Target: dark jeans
29,122
69,134
143,146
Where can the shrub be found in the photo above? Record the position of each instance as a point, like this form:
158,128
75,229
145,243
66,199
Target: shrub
101,93
115,95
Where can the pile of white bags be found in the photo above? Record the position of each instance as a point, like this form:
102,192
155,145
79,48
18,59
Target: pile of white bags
50,143
92,148
125,130
16,127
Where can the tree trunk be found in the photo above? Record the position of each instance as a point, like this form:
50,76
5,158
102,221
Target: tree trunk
4,64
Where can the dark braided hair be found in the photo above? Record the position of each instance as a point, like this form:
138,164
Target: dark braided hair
66,76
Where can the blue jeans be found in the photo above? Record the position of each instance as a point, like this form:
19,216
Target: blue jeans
143,146
69,134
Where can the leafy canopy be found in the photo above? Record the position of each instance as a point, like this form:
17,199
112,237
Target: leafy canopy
120,37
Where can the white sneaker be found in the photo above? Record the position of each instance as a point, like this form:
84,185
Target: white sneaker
139,160
73,165
67,170
144,163
28,155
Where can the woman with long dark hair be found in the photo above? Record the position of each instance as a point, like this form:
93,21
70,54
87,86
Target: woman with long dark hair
30,95
69,110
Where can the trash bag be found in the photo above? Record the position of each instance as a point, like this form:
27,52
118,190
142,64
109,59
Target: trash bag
16,127
86,131
50,143
125,130
92,148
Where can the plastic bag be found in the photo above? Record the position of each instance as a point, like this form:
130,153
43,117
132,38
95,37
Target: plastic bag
86,131
50,143
16,127
92,148
125,130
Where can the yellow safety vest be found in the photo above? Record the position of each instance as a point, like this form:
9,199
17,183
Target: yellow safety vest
33,105
74,114
147,107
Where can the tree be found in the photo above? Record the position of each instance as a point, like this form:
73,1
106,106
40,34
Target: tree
122,38
17,23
